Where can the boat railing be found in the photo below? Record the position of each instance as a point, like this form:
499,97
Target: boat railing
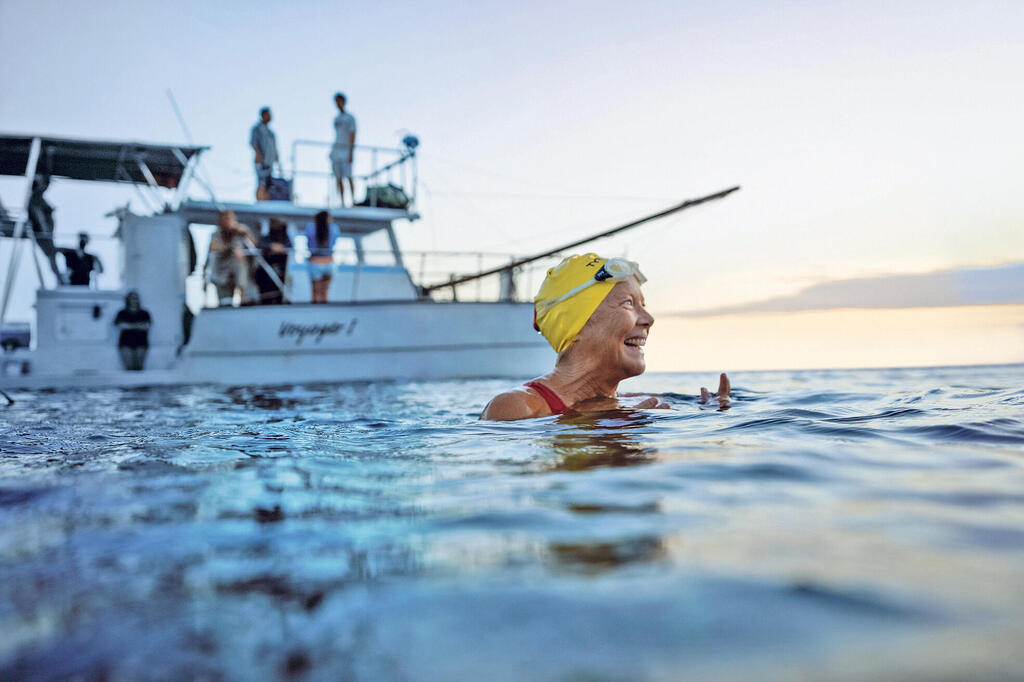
427,270
9,219
438,274
373,167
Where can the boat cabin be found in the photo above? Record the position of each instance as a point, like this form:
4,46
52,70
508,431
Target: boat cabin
163,252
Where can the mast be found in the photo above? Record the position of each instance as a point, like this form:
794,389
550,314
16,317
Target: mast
426,290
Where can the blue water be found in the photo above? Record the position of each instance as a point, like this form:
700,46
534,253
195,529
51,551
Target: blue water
831,524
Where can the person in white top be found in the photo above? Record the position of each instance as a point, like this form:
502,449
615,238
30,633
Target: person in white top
344,144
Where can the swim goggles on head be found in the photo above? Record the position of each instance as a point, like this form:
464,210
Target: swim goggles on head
614,269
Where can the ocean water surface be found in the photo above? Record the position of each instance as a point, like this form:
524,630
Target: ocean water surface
831,524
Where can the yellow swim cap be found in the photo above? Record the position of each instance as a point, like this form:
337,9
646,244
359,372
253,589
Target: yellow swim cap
561,321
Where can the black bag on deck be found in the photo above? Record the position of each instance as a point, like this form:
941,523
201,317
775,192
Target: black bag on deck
280,189
385,196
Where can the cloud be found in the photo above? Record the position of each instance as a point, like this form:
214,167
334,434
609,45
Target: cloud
943,288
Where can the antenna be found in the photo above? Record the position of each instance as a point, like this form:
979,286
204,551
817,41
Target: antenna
181,119
425,290
200,168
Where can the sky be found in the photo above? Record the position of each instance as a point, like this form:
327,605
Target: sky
876,144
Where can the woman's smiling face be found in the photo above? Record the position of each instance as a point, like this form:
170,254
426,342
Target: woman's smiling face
617,331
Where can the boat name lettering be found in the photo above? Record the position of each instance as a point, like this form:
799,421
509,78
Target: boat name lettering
315,331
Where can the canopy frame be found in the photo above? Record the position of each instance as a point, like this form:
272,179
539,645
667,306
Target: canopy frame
155,167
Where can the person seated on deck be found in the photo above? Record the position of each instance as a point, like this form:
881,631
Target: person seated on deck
591,310
80,264
230,269
321,236
274,248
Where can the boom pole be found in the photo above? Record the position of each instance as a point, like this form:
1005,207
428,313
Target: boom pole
607,233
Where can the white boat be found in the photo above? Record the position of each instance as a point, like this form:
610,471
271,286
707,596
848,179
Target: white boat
379,325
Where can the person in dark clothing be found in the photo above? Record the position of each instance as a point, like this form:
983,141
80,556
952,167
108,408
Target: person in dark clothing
81,265
40,216
133,343
274,246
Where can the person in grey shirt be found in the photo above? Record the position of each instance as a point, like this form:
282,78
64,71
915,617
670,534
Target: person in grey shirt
264,145
344,144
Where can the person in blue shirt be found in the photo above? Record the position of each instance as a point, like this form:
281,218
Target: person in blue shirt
321,236
264,147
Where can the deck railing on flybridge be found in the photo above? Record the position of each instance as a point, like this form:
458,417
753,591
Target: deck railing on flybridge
427,269
313,181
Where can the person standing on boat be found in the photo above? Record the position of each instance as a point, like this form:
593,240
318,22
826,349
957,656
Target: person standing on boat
264,146
230,268
40,216
320,238
344,145
133,343
81,264
592,312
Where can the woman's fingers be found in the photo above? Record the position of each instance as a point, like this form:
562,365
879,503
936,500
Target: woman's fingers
724,392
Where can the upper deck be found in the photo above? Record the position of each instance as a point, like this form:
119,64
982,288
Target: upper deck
354,220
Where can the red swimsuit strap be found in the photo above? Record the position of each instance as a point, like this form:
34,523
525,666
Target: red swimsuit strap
555,403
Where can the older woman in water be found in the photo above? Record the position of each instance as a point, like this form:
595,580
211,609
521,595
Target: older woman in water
591,310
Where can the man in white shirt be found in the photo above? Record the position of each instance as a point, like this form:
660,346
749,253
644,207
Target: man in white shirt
344,144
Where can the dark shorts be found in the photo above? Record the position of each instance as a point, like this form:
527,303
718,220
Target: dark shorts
133,338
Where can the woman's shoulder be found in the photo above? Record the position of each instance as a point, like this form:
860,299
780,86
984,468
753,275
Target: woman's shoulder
519,403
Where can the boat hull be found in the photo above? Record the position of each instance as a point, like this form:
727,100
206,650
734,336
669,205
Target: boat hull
304,343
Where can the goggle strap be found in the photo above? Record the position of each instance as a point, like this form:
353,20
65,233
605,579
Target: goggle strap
545,305
632,271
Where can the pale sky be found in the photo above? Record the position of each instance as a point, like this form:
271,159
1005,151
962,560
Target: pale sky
870,138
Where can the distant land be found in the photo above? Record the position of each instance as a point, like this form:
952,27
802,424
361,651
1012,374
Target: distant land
996,285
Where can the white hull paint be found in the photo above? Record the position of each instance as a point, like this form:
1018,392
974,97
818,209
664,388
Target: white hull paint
304,343
353,342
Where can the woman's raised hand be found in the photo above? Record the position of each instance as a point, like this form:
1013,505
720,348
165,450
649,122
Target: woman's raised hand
724,390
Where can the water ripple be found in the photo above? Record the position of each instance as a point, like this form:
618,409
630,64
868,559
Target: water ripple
373,531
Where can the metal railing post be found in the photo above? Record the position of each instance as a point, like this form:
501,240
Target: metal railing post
415,177
374,175
295,148
479,282
19,228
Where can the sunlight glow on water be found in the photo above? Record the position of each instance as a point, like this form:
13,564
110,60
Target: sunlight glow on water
832,523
